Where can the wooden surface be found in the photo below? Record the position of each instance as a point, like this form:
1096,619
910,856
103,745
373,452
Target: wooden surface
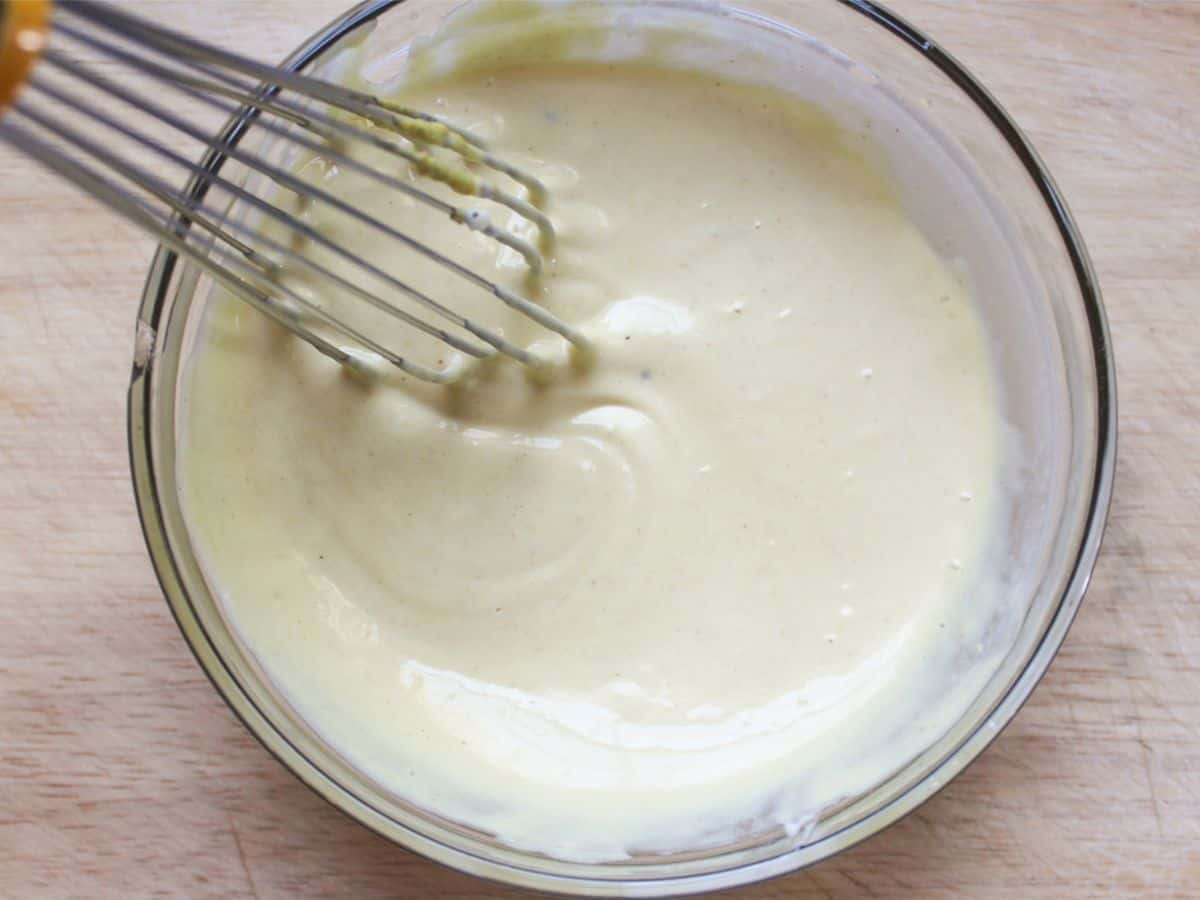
123,774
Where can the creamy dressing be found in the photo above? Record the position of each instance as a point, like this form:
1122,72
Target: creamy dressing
726,576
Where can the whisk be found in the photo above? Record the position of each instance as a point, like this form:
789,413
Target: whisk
44,97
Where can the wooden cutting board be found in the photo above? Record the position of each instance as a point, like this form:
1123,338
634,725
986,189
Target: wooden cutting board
122,773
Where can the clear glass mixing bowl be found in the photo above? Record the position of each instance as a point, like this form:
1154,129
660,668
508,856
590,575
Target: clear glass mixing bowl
1053,353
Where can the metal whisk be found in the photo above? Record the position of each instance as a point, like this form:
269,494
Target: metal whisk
43,103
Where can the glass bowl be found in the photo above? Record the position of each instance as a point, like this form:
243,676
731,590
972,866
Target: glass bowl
1053,352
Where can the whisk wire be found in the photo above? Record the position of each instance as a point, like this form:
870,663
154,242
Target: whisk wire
253,264
204,217
329,129
142,178
375,109
130,207
301,188
286,179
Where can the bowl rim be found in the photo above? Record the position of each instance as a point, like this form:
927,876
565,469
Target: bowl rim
154,302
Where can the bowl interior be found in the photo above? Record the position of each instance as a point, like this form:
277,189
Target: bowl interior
978,192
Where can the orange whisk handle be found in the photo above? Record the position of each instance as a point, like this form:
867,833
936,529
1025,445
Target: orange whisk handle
23,25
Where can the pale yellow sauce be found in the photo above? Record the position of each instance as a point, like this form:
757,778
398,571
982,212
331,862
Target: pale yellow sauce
719,581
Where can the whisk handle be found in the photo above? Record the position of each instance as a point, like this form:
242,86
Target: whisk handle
23,25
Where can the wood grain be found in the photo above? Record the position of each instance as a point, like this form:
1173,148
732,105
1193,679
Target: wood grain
122,773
